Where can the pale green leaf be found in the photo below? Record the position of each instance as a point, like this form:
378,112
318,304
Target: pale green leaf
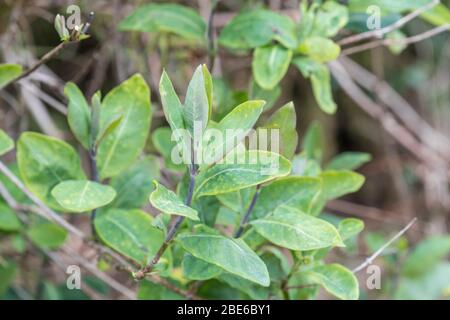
130,232
44,162
173,18
348,161
162,140
290,228
313,142
8,271
256,28
197,269
350,227
78,114
168,202
338,183
9,72
47,235
232,255
254,291
6,143
8,219
237,201
251,168
82,195
270,64
319,49
118,150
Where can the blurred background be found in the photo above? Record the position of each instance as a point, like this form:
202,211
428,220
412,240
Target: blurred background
400,115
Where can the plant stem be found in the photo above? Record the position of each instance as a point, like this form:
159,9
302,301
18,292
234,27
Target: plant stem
139,275
94,176
211,37
248,213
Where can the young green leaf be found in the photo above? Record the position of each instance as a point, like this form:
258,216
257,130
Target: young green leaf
239,200
197,269
320,49
270,64
78,114
174,18
256,28
208,88
304,166
134,185
269,96
8,219
348,161
82,195
295,230
232,255
296,192
9,72
130,232
251,168
168,202
107,129
173,109
338,183
336,279
162,140
118,150
6,143
47,235
44,162
350,227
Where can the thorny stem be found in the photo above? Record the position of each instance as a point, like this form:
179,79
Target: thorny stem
139,275
248,213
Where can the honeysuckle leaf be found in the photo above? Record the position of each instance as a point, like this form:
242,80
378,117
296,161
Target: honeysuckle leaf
269,96
295,230
82,195
350,227
131,101
231,255
254,291
338,183
296,192
162,140
129,232
249,169
6,143
168,202
303,166
320,49
336,279
426,255
78,114
348,161
329,19
8,219
173,18
285,121
107,129
44,162
9,72
134,185
320,80
239,200
270,64
208,88
386,5
47,235
256,28
197,269
230,131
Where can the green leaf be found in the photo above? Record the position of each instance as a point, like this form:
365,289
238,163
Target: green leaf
119,149
327,20
237,201
426,255
196,104
230,131
134,185
197,269
320,49
313,142
296,192
162,140
270,64
6,143
320,80
173,18
438,15
232,255
47,235
285,121
302,166
78,114
152,291
168,202
290,228
338,183
8,272
9,72
44,162
252,168
336,279
129,232
251,289
387,5
256,28
348,161
350,227
107,129
269,96
82,195
8,219
208,88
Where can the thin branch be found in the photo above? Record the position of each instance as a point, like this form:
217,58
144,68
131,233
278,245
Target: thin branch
170,286
388,42
396,25
370,259
248,213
